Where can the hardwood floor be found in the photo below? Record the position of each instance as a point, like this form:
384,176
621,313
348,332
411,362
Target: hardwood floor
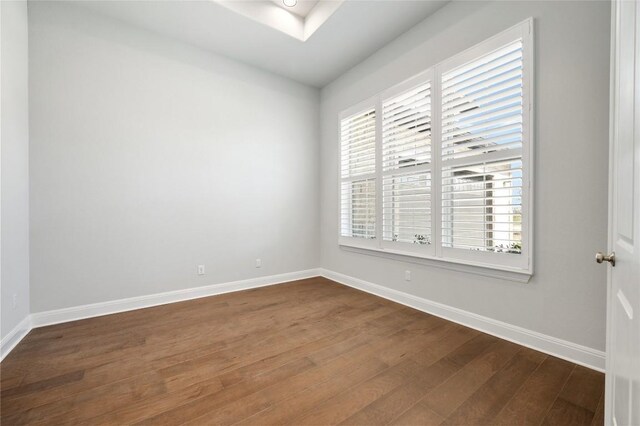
307,352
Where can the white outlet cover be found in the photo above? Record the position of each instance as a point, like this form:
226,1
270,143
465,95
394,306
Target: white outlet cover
258,263
200,269
407,275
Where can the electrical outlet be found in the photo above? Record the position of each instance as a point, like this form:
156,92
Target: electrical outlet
258,263
14,301
200,269
407,275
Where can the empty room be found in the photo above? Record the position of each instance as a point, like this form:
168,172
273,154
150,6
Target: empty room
320,212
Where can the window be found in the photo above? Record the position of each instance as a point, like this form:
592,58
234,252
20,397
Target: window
439,166
358,171
406,167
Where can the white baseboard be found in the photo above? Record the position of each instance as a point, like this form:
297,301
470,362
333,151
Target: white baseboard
15,336
41,319
573,352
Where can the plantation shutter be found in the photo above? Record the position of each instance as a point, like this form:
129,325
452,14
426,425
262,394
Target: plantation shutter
439,166
406,166
481,152
358,175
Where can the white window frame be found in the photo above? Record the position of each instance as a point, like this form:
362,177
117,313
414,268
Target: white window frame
433,254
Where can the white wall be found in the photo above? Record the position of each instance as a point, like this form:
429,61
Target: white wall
566,296
14,122
149,157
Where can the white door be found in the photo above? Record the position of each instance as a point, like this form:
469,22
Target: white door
623,316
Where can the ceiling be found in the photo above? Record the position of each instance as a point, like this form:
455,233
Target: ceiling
354,31
302,8
299,21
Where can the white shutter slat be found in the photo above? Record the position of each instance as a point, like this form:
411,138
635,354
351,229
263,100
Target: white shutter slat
413,127
353,134
492,122
481,153
407,97
409,154
501,74
481,214
356,161
407,208
485,118
407,136
483,88
477,143
406,181
405,115
356,123
358,142
357,165
480,111
473,231
480,192
460,101
511,92
411,136
362,168
358,147
492,60
486,134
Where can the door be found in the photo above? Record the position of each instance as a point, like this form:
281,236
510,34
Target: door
623,305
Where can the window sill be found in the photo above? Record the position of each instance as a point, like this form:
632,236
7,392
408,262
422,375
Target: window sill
487,270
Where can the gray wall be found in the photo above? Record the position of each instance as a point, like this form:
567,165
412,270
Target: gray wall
15,165
567,294
149,157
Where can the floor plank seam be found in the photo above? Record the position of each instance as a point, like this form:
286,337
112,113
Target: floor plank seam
564,384
524,382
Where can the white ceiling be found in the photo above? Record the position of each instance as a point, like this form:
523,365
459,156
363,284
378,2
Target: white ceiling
302,8
352,33
299,21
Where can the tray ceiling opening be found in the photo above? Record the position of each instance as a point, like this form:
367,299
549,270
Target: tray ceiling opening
299,21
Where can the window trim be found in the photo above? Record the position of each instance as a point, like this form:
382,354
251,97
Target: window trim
454,258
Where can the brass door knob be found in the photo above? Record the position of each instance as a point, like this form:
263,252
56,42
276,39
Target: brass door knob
611,258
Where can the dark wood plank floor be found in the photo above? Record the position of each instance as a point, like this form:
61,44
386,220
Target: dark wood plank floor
306,352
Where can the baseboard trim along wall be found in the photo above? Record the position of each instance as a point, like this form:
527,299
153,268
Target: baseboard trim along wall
15,336
573,352
41,319
569,351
